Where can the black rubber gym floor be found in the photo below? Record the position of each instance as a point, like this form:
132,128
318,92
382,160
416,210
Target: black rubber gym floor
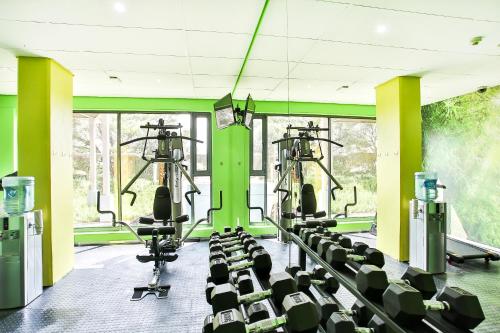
95,296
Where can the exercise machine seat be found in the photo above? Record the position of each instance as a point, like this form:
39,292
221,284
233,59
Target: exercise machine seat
308,202
162,205
148,231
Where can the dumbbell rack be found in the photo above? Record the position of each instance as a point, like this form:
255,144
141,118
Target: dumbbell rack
432,322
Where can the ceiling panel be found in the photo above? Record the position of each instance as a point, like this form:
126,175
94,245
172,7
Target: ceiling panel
407,30
263,68
121,62
257,94
215,66
275,48
249,83
137,88
146,13
483,10
214,81
172,81
195,48
386,57
222,15
215,93
33,36
211,44
341,73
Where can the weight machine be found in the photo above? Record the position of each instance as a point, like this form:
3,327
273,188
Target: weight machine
167,205
294,149
170,153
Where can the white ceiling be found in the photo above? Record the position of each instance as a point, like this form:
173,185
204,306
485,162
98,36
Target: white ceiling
306,50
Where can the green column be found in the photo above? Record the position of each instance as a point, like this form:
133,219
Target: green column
45,130
230,174
399,156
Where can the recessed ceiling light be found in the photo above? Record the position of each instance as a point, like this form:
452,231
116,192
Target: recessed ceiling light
120,7
381,29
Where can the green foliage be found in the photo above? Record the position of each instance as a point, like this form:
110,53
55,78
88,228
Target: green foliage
460,137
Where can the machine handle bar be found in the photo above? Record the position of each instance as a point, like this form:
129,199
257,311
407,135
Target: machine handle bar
157,138
213,209
307,138
254,208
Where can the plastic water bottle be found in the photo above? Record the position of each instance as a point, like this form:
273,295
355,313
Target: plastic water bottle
426,186
18,194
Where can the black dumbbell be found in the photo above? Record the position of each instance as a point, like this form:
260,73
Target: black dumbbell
356,248
315,239
327,305
378,325
229,241
306,233
244,285
328,283
250,250
300,316
405,305
341,323
243,245
372,281
208,324
319,277
260,260
224,296
227,232
337,257
257,311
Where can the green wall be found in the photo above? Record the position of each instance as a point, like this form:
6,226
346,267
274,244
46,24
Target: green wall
461,142
230,147
8,142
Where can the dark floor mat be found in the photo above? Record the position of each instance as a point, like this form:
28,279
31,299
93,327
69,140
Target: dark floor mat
95,296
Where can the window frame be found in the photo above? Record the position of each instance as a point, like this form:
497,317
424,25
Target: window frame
263,171
329,147
194,172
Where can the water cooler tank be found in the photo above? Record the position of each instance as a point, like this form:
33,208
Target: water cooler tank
20,259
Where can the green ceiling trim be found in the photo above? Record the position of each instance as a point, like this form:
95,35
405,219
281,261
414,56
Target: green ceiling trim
247,55
138,104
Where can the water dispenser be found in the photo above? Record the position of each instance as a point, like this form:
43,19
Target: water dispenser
427,225
20,244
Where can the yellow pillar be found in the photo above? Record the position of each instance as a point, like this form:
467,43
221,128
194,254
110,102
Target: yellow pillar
45,129
399,149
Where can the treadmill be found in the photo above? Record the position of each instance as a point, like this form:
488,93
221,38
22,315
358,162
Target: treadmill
459,251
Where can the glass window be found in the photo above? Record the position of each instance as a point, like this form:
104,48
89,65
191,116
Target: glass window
94,165
131,161
202,202
355,165
311,171
257,144
95,150
352,165
257,196
202,148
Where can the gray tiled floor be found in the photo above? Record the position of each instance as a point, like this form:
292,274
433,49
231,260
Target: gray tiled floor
94,297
